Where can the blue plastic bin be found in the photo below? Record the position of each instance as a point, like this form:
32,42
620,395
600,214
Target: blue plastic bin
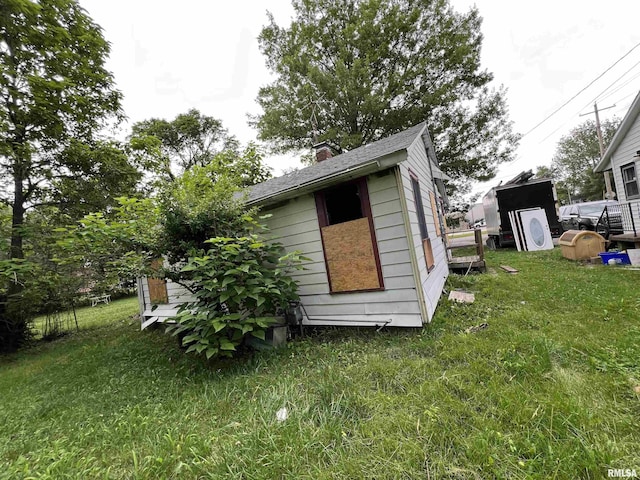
621,258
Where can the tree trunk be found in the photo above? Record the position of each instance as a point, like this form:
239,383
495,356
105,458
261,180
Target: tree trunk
14,315
17,217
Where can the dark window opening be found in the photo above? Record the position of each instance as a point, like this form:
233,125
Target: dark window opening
630,181
343,204
417,197
422,222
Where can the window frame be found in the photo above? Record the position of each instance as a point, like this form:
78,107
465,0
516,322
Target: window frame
427,248
436,213
417,201
633,181
323,221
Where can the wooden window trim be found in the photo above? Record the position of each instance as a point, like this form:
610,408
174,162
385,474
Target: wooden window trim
323,221
434,210
623,168
427,248
428,254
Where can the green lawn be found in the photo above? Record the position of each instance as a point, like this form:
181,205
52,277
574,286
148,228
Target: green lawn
461,234
547,390
90,317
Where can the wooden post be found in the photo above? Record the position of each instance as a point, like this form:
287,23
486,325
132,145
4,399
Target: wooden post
479,245
607,179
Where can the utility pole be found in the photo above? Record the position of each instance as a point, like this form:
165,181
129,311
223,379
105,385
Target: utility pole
607,178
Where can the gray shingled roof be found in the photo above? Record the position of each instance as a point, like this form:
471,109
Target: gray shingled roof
335,165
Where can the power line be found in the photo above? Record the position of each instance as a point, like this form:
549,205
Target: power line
577,113
614,82
554,132
623,109
620,87
582,90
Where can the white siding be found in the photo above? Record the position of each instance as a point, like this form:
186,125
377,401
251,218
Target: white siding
624,155
296,226
432,282
176,294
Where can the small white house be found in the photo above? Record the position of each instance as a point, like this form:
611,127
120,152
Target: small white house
370,220
622,157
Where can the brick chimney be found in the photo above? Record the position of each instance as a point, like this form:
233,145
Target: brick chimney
323,151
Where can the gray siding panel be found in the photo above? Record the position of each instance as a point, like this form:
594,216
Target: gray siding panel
177,295
395,320
389,220
624,155
355,308
397,302
399,244
432,282
397,270
363,298
386,208
386,195
295,225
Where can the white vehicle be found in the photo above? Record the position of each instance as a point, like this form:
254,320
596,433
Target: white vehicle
480,224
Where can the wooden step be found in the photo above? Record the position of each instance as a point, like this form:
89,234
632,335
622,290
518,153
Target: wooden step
473,262
461,245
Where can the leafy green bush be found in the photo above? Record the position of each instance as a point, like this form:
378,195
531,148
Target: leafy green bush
113,248
18,305
195,207
240,284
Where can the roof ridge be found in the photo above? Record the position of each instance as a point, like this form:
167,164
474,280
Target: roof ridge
336,165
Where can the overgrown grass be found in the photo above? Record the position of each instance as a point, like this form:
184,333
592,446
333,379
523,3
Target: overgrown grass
89,317
547,390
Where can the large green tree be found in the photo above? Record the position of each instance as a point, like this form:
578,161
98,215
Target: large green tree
96,174
354,71
54,90
577,153
168,150
177,145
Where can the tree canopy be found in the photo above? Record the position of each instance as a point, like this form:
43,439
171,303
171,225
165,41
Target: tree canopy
188,140
55,95
354,71
577,153
55,88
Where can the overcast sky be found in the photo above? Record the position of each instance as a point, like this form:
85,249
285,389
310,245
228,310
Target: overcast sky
168,57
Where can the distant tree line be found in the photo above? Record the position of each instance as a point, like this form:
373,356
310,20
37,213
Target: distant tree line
577,153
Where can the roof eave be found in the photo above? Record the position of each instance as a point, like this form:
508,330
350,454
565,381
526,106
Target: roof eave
372,166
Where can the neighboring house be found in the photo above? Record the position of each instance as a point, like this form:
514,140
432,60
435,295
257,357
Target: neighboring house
370,220
622,157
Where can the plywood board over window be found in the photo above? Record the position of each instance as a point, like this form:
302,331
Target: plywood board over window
350,256
348,238
157,286
428,254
